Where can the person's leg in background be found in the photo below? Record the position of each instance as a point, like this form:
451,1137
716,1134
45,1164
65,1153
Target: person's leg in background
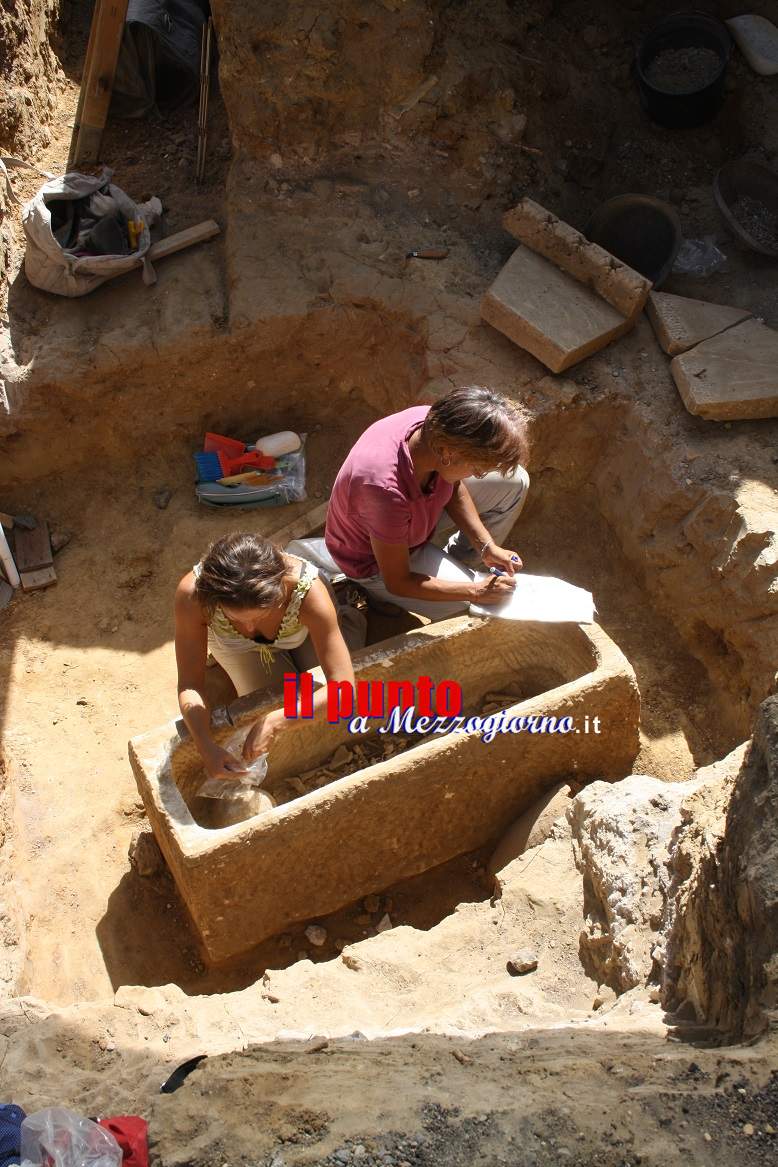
499,500
315,551
427,560
353,623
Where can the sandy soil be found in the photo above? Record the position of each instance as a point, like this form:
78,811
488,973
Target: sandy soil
90,663
602,1097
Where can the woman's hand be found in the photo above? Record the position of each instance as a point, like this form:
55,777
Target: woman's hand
262,734
494,589
220,763
502,559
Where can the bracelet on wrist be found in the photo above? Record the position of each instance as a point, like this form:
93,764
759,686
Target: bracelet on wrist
488,543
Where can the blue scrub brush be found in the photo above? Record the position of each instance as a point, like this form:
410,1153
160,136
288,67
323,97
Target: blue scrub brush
209,466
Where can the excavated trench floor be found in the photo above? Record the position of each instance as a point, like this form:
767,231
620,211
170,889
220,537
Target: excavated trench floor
89,663
306,314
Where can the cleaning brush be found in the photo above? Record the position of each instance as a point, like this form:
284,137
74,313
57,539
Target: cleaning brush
213,465
209,467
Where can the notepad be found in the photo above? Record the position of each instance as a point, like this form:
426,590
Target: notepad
543,598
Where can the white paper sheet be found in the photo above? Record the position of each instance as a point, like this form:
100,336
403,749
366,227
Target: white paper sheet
541,597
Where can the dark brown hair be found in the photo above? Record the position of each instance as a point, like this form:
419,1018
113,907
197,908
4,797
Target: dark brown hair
478,423
241,571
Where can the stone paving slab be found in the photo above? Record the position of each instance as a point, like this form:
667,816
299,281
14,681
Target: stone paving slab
732,376
681,323
548,313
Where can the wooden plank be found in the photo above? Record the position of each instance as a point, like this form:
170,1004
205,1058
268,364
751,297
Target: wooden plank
32,549
97,83
32,581
84,72
18,520
173,243
301,526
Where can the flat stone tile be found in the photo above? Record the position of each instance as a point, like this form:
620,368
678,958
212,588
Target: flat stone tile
681,323
733,376
548,313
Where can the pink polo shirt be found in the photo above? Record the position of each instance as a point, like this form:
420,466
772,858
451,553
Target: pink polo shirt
377,495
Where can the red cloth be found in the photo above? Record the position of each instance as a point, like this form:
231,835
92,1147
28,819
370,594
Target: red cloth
132,1135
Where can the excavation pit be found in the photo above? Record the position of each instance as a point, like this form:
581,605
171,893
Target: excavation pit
400,816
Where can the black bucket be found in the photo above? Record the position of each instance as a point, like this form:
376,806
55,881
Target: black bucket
642,231
676,33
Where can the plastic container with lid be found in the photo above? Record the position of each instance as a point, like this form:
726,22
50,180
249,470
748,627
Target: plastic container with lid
275,445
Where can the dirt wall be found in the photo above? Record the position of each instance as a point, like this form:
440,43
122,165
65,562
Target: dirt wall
339,85
30,72
723,948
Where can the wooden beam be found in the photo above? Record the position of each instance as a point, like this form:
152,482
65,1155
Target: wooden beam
173,243
301,526
105,40
32,581
32,549
80,106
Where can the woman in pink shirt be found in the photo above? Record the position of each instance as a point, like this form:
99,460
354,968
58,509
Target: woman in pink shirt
455,465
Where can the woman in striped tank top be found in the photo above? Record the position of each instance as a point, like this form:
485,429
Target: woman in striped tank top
260,612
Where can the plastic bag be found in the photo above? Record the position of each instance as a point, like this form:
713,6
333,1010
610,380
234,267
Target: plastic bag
699,257
242,785
289,487
56,1137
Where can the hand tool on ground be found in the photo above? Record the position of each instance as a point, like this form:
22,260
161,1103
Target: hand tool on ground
428,253
205,85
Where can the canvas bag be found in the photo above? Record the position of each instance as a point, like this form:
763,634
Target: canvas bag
51,267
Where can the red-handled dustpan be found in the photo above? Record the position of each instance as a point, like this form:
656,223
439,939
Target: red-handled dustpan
229,446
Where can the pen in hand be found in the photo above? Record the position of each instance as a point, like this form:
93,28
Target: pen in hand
498,571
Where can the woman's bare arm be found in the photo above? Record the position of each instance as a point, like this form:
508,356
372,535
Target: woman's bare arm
463,511
191,653
318,614
394,564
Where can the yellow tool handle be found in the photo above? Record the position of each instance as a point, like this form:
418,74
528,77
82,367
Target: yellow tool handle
249,478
